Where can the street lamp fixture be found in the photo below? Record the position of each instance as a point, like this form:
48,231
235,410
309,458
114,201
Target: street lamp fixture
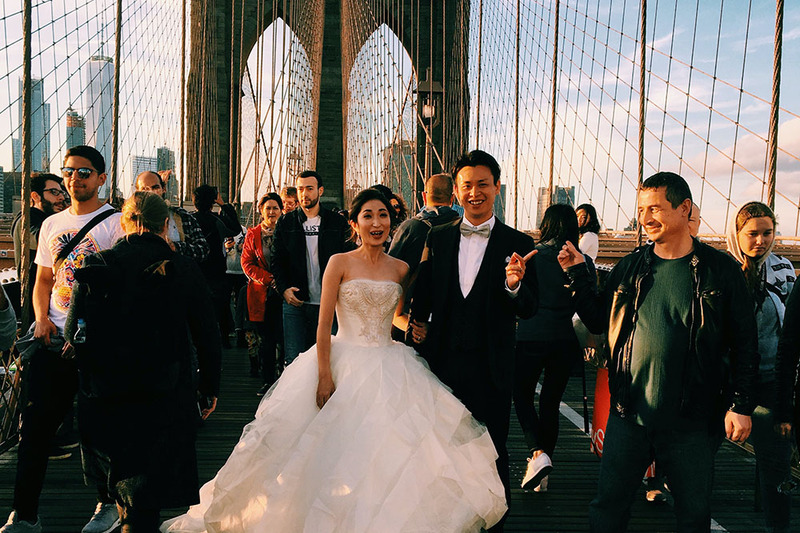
431,93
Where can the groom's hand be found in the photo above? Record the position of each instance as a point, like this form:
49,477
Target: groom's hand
515,270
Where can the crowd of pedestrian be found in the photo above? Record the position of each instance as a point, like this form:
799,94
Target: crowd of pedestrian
700,344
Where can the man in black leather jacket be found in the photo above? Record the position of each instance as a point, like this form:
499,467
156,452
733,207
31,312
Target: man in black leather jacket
305,239
683,358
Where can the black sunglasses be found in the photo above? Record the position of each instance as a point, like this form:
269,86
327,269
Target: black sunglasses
83,173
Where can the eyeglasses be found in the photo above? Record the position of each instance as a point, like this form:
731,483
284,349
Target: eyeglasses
55,192
83,173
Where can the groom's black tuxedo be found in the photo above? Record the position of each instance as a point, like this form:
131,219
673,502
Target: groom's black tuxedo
470,340
490,326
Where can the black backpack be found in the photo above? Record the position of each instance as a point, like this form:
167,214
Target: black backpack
131,339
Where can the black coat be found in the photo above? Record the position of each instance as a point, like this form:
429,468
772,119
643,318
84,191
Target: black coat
147,432
289,248
722,366
432,297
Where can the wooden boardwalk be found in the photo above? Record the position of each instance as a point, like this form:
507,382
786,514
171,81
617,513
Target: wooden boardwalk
67,504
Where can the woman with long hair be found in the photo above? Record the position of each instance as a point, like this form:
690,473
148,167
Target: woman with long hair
588,228
357,434
769,278
546,345
263,300
133,308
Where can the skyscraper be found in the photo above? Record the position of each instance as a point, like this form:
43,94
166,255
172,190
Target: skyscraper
76,129
561,195
140,163
166,158
98,100
16,154
40,130
166,161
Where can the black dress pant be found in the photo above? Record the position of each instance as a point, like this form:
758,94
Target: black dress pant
467,373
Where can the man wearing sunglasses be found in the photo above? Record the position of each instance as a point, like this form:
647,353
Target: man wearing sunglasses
52,373
184,232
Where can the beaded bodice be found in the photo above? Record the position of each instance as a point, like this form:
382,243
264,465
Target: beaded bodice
365,309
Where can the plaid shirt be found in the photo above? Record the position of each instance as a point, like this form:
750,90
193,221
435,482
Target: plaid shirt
193,243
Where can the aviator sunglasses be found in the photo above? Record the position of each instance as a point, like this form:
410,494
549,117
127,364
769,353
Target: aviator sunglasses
83,173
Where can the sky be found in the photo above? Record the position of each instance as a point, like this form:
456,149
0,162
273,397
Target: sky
728,45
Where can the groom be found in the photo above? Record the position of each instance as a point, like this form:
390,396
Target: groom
472,285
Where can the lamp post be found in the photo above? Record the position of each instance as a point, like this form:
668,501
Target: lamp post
429,96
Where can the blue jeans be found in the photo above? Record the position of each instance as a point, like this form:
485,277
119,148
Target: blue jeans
773,455
687,457
299,329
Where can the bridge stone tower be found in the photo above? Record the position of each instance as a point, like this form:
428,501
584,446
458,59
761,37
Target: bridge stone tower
220,36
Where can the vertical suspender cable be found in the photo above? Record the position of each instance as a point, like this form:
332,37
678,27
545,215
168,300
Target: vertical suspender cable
553,107
181,181
240,100
115,122
642,103
26,158
234,77
773,116
516,128
480,64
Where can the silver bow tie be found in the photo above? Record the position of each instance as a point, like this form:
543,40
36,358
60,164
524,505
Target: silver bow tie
482,231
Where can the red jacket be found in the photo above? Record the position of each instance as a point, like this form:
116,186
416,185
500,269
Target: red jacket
259,278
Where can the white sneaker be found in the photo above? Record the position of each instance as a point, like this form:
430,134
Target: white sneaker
542,487
15,525
538,468
104,520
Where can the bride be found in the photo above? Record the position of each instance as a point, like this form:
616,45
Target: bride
357,435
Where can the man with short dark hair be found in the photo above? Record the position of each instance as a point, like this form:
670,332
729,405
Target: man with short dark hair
216,228
472,286
65,239
682,358
304,241
185,234
47,198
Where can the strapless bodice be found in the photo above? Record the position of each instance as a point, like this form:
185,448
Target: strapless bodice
365,309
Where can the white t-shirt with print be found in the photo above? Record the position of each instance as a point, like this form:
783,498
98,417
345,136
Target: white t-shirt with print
57,230
311,230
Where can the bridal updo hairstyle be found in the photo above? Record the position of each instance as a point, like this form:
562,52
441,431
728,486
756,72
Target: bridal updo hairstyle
362,198
144,211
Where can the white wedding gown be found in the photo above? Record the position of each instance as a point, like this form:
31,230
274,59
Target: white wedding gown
392,451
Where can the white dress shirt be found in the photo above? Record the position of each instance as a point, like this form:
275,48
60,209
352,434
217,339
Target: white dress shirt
470,255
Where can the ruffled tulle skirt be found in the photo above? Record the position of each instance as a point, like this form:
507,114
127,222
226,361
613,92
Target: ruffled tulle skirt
392,451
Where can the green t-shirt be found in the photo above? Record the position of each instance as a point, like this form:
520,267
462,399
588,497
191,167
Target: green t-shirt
661,342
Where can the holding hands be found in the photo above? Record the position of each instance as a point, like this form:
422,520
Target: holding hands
515,270
419,331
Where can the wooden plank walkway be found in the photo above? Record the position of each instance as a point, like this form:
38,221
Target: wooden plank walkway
67,504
